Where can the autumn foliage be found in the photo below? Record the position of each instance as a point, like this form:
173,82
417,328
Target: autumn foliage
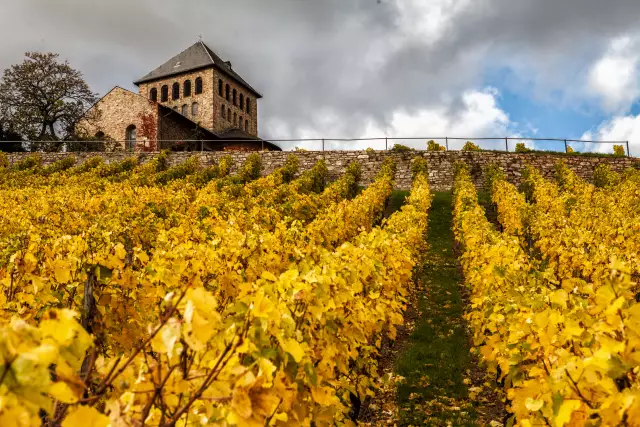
554,310
145,295
149,131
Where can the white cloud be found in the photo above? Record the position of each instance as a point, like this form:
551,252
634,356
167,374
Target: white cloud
428,20
618,128
615,77
478,115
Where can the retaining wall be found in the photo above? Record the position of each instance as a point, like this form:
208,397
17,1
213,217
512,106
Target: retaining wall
441,164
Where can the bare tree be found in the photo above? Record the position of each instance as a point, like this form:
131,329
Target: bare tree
43,99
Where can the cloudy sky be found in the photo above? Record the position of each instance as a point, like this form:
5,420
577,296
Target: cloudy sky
372,68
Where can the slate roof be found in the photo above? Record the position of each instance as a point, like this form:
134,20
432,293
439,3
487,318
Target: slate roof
193,58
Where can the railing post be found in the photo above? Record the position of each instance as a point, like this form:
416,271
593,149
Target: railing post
386,143
566,149
322,144
506,144
446,142
628,152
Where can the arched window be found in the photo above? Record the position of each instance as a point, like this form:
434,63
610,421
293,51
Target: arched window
175,91
220,89
242,101
153,95
131,137
239,122
227,92
246,125
198,85
235,119
186,91
235,97
194,109
164,93
185,110
248,105
229,114
223,112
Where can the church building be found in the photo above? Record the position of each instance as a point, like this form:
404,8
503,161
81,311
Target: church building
193,101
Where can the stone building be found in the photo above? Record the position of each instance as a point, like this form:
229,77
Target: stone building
193,101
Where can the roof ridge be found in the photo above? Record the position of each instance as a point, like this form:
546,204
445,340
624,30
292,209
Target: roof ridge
194,58
207,49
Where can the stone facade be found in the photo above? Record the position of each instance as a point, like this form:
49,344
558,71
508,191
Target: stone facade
210,102
441,164
250,119
226,103
206,113
119,109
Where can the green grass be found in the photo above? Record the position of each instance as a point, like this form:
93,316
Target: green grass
396,201
435,363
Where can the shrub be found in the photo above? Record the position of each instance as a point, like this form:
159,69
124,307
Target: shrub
388,167
434,146
184,169
290,168
562,173
603,177
492,172
32,161
89,164
202,177
526,184
162,161
521,148
470,146
618,150
61,165
118,167
370,150
399,148
355,170
419,166
300,149
570,149
225,165
4,161
251,168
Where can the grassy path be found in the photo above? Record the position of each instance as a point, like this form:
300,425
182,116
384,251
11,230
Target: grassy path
443,384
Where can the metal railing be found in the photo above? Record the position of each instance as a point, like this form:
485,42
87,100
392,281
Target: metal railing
320,144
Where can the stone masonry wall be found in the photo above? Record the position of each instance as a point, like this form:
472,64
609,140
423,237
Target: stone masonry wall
210,102
207,114
240,114
119,109
441,164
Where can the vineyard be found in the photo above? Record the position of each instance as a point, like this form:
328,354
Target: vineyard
148,294
553,305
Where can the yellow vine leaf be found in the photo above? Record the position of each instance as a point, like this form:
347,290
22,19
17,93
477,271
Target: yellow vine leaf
85,416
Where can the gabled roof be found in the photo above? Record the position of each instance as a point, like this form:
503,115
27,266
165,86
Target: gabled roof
195,57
